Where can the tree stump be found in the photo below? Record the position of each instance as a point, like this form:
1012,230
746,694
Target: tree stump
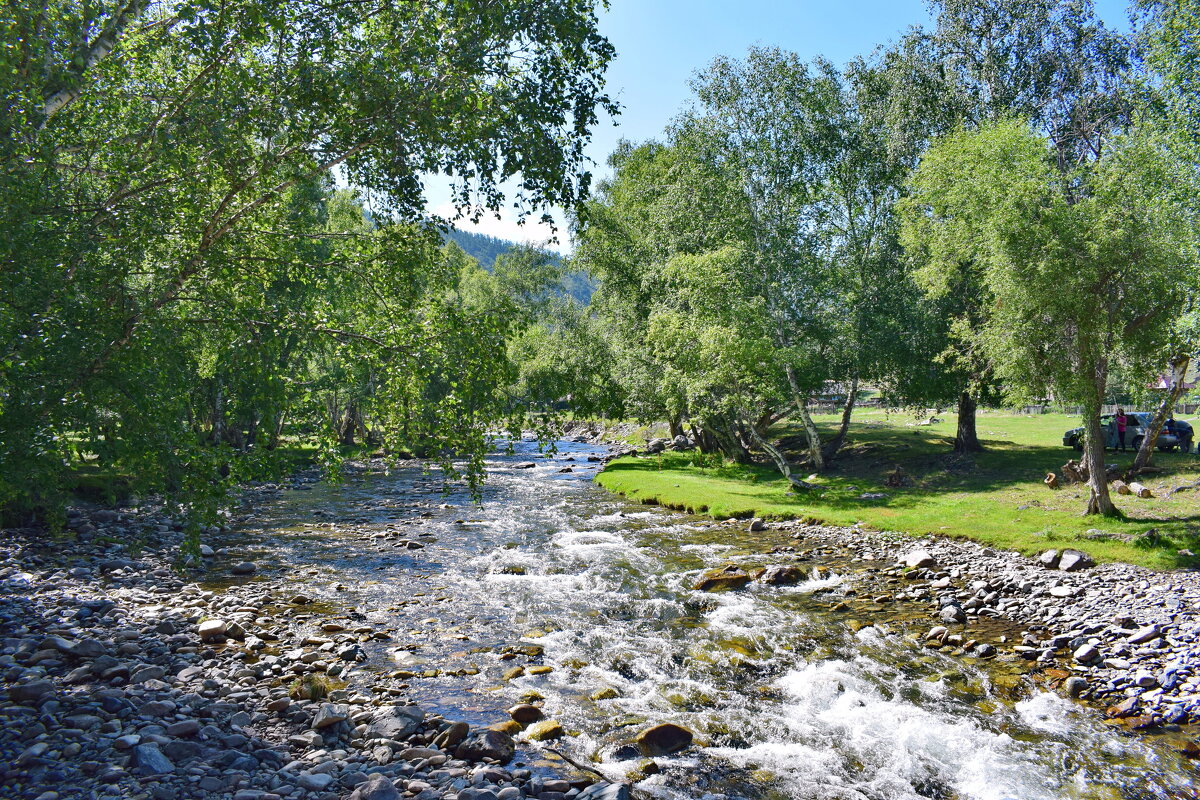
1121,487
1051,480
1140,490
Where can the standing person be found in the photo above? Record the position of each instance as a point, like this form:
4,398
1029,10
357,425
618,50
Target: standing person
1121,421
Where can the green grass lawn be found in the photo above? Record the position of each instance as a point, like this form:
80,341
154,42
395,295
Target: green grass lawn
995,497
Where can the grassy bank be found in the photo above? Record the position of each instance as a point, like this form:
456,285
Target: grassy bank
996,498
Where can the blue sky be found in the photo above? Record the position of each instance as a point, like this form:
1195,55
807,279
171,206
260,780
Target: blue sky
661,43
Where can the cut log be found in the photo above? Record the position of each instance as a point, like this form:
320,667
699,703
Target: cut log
1120,487
1140,490
1074,472
1051,480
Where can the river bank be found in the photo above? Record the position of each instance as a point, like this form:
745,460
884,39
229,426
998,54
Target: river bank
124,677
556,595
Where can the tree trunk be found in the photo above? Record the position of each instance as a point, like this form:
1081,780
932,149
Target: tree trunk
815,455
1099,500
349,425
776,456
1179,367
966,440
835,444
675,425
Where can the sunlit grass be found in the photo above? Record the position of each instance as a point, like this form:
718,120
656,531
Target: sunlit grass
996,497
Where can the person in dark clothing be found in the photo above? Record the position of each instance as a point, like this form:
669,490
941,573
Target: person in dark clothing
1122,422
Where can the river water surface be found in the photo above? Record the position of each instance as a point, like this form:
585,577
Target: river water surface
787,698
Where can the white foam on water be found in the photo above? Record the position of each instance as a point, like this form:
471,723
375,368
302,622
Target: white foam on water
815,585
705,548
590,539
838,730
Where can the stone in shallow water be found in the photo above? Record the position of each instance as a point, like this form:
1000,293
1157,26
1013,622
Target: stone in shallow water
664,739
526,714
722,579
244,568
953,614
545,730
605,791
780,575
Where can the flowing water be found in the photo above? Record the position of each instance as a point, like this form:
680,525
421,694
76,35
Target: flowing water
788,699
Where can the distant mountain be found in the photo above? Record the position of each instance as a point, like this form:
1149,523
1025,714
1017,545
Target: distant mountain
481,247
486,249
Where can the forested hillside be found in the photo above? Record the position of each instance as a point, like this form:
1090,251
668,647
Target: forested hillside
486,249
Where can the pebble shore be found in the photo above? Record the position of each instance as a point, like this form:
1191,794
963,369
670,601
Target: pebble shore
120,678
1122,637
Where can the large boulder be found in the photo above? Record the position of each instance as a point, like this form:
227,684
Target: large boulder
395,722
662,740
1049,558
487,744
1074,560
722,579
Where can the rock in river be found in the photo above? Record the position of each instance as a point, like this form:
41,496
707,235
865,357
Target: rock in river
526,714
662,740
780,575
722,579
545,730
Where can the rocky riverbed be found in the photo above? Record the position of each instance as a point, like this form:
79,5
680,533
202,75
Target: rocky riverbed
1122,637
122,678
253,674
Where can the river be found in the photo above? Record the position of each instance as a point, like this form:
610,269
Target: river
787,698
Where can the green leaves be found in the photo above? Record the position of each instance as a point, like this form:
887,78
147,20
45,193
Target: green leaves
176,268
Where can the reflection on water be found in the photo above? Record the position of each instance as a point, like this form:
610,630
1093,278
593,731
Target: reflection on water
788,699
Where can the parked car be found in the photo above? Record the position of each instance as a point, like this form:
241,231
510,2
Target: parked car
1137,423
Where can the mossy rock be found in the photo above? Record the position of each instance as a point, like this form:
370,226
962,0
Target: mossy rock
545,730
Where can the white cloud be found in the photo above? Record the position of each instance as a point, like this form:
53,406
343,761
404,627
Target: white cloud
505,226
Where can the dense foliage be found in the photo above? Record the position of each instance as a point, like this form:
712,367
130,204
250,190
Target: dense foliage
180,280
752,263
